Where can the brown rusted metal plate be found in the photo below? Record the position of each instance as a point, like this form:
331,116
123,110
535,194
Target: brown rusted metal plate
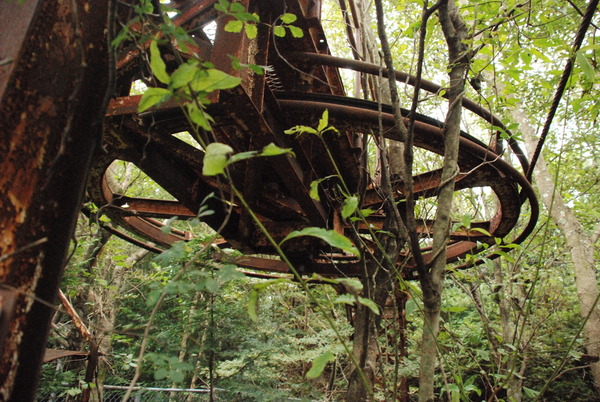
53,354
51,102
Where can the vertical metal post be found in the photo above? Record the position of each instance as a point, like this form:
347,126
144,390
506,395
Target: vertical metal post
54,73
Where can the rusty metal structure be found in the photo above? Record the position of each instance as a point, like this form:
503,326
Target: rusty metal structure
303,81
53,82
53,78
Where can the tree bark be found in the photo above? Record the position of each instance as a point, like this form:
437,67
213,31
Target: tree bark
514,382
579,242
380,269
432,279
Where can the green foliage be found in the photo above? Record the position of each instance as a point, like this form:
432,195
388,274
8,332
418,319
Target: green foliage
321,129
351,299
314,187
318,365
242,20
217,156
190,84
331,237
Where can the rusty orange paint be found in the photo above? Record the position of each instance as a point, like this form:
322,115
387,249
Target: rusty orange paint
52,93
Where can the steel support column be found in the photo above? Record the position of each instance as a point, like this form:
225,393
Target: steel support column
53,81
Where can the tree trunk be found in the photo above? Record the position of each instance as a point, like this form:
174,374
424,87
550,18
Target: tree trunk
367,326
579,242
380,269
432,280
504,291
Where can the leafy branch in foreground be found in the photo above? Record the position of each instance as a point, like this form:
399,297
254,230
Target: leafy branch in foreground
248,22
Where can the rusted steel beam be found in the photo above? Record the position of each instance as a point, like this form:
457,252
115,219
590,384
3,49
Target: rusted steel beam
429,86
152,208
495,172
52,96
285,166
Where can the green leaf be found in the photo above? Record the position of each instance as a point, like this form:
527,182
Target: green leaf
166,228
183,75
153,97
73,391
585,65
237,8
314,187
350,205
481,230
211,285
268,150
212,79
352,283
367,212
296,32
157,65
260,70
234,26
215,158
120,37
455,309
198,116
369,303
288,18
323,121
265,284
153,297
301,130
177,376
279,31
531,393
242,155
411,306
251,31
274,150
253,305
235,63
244,17
229,273
332,238
345,298
222,6
318,365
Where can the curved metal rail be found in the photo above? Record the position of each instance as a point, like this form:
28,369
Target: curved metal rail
277,188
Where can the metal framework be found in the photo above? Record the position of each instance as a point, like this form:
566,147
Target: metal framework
303,82
53,80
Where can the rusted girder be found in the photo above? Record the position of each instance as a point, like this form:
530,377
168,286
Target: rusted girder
303,82
482,168
53,80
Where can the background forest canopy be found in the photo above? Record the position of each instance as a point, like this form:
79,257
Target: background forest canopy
524,326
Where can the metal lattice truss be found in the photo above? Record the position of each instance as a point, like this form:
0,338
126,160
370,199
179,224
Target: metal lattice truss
304,80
